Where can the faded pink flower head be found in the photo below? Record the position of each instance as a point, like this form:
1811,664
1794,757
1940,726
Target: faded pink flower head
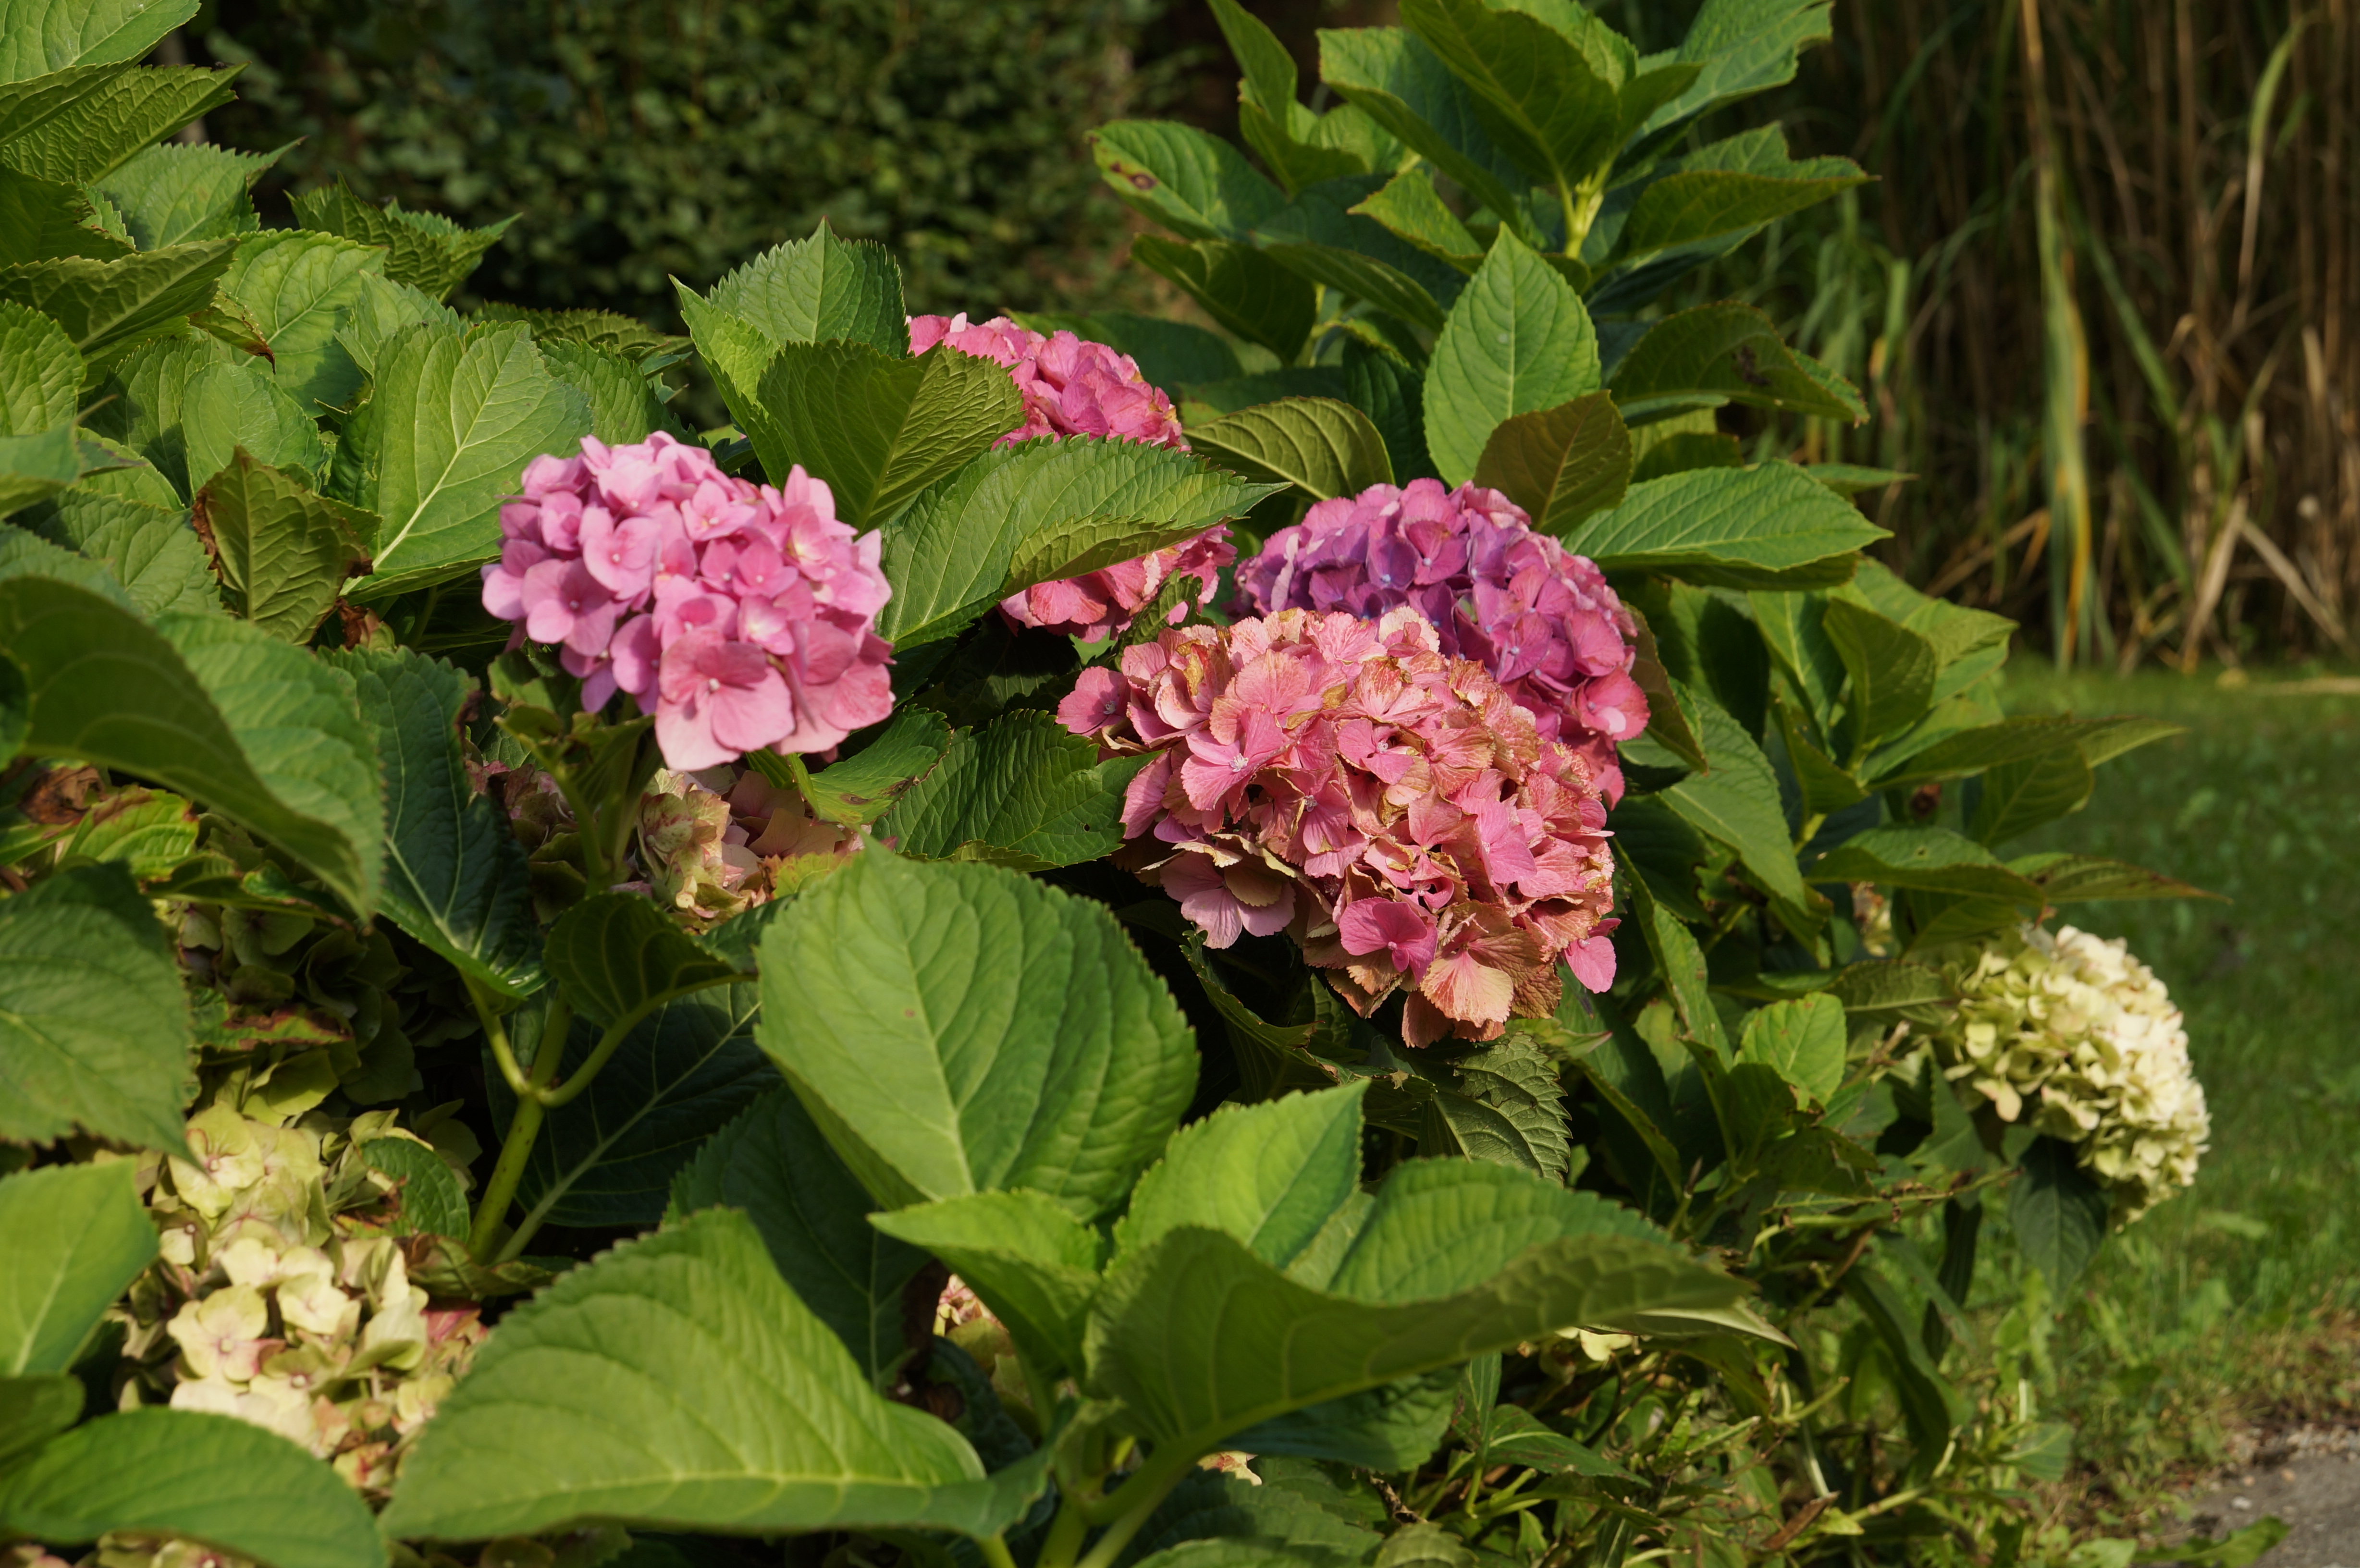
1542,620
1073,387
1349,781
740,616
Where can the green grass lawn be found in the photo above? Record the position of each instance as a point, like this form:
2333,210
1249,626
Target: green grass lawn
2239,1301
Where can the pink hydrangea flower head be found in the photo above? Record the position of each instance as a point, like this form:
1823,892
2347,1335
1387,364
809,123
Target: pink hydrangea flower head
1073,387
741,615
1352,782
1541,620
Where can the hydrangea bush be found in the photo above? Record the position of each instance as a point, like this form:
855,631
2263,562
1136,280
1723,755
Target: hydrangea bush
1084,942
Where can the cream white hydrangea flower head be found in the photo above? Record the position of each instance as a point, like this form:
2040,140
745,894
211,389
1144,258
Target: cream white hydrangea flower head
2071,1033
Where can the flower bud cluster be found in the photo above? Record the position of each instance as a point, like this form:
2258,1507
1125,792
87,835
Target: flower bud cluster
741,617
1540,618
1391,806
2071,1032
1074,386
279,1300
721,840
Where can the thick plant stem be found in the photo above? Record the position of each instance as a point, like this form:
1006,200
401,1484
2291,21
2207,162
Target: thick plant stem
523,1128
1141,1495
994,1552
1066,1535
496,1033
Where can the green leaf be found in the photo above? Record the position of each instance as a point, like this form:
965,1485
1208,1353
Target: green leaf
37,37
879,430
2087,878
298,288
1731,188
1825,787
453,420
1466,1265
1385,386
1244,290
1034,1265
283,552
33,1409
616,954
202,705
428,1193
609,1156
1169,353
1320,237
34,468
424,250
1791,625
1560,464
109,307
40,373
1024,793
2017,796
181,192
214,1477
814,1216
624,405
41,219
1931,1407
818,289
2058,1211
863,787
1891,669
949,557
1888,985
153,552
226,408
1555,106
1413,211
1756,527
1517,341
1681,962
1933,860
1728,350
93,1029
1322,447
144,400
1510,1109
1270,1175
1970,751
686,1386
1196,185
1802,1040
76,1236
1742,46
1737,802
1268,116
120,118
1402,85
959,1028
454,875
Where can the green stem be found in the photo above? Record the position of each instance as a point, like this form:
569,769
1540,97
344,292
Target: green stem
497,1033
523,1128
600,1054
994,1552
1066,1535
596,868
1142,1494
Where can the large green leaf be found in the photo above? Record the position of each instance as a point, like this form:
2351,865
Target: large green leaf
123,116
1405,87
204,705
958,1028
1240,288
42,218
2058,1211
1742,46
1728,350
228,408
609,1156
425,250
75,1235
1560,464
108,306
1555,105
1891,671
1270,1174
454,418
1414,213
1319,235
1034,1265
1024,793
1728,189
40,373
818,289
1737,802
1969,751
33,1409
1802,1040
1932,860
215,1478
179,193
950,555
677,1382
880,428
814,1216
430,1202
455,876
1320,446
624,405
297,287
1196,185
1273,123
2017,796
37,37
1750,528
151,551
283,552
615,954
1517,341
93,1029
863,787
143,402
34,468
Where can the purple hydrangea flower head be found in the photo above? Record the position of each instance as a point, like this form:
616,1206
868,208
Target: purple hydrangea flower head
740,616
1541,620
